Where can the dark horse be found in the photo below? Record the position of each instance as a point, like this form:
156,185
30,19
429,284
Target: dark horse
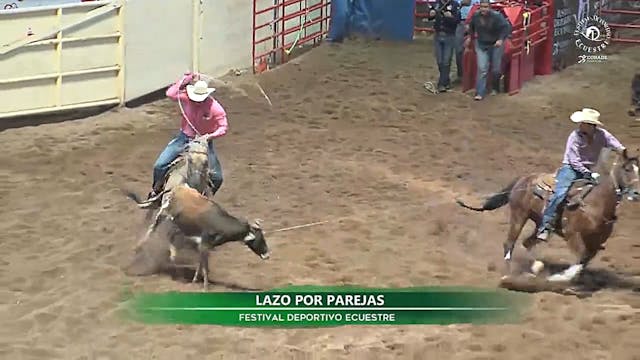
585,222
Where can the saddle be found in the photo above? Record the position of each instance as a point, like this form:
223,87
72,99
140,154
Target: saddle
546,183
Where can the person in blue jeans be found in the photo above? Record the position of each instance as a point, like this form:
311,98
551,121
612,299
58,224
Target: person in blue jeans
446,14
581,153
492,29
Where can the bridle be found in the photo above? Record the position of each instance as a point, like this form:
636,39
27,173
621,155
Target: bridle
627,189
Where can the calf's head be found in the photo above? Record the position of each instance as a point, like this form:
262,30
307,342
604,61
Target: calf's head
256,242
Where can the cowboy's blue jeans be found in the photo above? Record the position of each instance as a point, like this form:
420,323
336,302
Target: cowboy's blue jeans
484,56
173,150
444,48
459,48
564,178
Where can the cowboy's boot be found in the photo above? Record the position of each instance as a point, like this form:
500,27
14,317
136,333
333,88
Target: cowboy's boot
544,231
155,190
152,194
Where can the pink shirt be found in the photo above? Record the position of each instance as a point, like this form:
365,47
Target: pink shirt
208,117
582,155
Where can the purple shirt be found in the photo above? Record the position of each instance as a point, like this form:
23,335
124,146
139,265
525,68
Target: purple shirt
581,155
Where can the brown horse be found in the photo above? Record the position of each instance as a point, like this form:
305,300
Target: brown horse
585,222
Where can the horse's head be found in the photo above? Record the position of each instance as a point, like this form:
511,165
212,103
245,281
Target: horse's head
626,172
196,158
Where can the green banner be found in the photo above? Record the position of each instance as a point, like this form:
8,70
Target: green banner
313,306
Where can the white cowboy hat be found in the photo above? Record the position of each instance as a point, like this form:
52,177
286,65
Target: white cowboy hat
587,116
199,91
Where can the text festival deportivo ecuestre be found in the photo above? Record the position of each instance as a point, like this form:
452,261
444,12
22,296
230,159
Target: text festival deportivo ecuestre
320,300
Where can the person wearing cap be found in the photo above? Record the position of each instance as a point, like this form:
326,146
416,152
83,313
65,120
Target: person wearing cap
447,17
492,29
201,115
581,153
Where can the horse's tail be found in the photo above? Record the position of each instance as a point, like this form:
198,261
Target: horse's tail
495,201
144,203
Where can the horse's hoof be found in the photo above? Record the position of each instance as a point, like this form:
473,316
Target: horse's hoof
558,278
537,267
570,291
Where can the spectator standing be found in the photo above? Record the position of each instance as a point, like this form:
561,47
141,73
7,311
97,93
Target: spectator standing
490,29
461,31
634,110
446,16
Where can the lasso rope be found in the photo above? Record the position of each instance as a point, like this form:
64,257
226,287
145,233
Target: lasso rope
302,24
429,86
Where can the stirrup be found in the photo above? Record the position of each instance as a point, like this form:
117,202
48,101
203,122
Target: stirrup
152,194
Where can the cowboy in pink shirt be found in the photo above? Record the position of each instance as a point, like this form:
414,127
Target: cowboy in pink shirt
201,115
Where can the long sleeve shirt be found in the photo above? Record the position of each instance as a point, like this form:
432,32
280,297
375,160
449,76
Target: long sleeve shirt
207,117
490,27
582,155
443,23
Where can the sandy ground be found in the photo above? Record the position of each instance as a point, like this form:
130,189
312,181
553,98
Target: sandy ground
351,134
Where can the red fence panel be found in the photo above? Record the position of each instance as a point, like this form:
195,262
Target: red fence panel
632,22
279,26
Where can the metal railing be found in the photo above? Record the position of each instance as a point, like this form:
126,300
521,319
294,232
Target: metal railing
284,25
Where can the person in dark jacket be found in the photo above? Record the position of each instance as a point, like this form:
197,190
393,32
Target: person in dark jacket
634,110
491,29
446,16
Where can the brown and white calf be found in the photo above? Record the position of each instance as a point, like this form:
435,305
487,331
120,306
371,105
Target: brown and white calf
203,221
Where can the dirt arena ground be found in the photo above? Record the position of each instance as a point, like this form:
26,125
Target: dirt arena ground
352,135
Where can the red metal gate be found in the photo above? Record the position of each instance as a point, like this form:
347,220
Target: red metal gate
280,26
632,21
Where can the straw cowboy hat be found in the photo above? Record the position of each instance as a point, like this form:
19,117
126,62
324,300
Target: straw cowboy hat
587,116
199,91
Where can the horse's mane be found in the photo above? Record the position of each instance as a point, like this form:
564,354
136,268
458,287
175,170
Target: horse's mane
179,161
605,161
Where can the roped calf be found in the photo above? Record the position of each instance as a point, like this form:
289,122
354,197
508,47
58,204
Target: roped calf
205,222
